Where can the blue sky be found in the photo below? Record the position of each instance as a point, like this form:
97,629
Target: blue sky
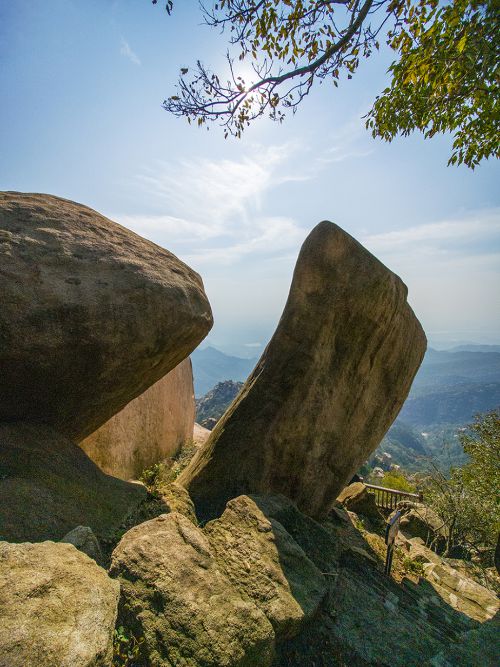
82,84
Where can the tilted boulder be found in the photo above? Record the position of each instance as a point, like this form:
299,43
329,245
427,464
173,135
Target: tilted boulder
265,563
91,314
328,386
149,429
57,607
176,597
48,485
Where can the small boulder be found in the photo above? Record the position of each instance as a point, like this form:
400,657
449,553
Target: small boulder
357,499
418,520
200,435
328,386
84,540
57,607
92,314
176,597
264,562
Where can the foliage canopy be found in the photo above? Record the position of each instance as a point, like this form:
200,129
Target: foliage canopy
445,77
468,501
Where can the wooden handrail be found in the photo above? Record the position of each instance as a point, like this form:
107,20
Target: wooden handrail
388,498
397,492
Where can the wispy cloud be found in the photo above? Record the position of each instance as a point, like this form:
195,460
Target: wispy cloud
452,269
214,207
213,191
348,142
466,236
127,52
267,236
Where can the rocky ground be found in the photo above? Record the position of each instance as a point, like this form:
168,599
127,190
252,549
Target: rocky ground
320,585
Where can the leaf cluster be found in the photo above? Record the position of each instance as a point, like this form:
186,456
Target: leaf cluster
468,501
290,44
445,79
126,648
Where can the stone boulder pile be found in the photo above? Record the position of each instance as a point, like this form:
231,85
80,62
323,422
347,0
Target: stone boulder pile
91,316
225,594
328,386
266,586
268,571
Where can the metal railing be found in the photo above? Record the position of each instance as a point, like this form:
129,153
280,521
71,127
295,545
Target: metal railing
389,498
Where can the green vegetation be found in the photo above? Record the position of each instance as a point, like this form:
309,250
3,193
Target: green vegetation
161,474
154,475
445,77
410,566
467,501
126,648
397,480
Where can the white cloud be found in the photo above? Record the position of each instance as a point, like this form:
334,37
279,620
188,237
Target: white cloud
474,233
266,236
212,192
177,229
127,52
452,270
213,207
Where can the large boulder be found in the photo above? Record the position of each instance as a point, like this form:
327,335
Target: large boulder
91,316
476,647
57,607
314,538
329,384
266,564
462,593
149,429
48,486
176,597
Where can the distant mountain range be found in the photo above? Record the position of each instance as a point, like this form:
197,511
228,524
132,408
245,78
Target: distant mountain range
452,386
211,366
449,389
